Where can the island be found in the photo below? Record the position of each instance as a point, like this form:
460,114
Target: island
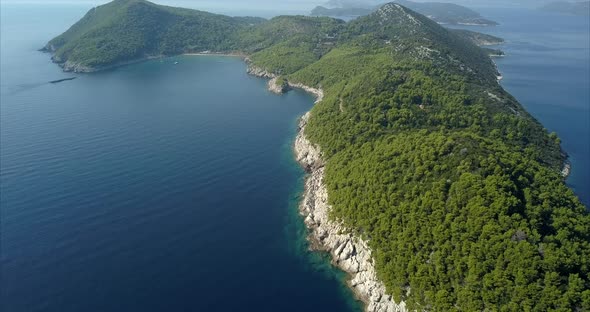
442,13
427,182
581,8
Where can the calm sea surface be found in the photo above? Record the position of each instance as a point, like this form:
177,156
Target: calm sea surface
153,187
162,187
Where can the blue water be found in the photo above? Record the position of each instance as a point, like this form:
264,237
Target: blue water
547,68
162,187
152,187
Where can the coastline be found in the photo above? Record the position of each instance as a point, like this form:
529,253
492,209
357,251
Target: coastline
566,170
209,53
348,252
73,67
272,86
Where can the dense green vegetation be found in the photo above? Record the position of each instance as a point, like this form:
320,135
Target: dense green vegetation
440,12
125,30
286,44
457,189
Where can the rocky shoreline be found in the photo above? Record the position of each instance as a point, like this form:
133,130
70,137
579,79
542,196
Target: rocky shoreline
275,87
69,66
73,67
349,253
566,169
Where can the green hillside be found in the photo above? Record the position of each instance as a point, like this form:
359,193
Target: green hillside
456,187
126,30
286,44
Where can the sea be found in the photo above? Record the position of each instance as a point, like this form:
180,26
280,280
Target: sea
170,185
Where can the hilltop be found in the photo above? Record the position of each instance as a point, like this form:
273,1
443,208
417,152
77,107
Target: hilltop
455,187
127,30
442,13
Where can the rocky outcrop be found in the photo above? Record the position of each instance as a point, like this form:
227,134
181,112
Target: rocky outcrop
76,67
258,72
278,85
285,85
349,252
566,169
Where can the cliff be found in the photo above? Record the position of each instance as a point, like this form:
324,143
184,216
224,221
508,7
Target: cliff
350,253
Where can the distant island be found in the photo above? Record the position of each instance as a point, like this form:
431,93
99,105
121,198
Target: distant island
442,13
427,182
575,8
340,12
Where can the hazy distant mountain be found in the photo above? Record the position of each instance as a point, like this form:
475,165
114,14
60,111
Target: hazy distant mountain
577,8
323,11
442,13
352,3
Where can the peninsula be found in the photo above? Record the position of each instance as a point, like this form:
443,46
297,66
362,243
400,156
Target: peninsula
428,182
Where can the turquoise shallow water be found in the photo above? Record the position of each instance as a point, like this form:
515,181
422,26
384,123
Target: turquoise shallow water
152,187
